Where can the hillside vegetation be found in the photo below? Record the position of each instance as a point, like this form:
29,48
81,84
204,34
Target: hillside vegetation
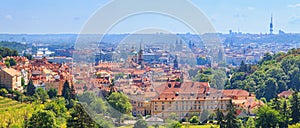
13,113
274,74
13,45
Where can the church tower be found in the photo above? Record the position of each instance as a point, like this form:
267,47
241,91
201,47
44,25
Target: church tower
271,25
140,57
175,62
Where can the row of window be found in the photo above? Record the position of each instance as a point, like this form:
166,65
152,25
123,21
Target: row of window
191,107
193,102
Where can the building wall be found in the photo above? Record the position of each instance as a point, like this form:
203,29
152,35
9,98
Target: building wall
186,108
140,107
6,80
10,82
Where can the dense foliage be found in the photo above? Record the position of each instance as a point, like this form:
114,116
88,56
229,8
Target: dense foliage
42,119
274,74
30,90
4,52
80,119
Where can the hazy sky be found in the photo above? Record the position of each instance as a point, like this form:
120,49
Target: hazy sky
69,16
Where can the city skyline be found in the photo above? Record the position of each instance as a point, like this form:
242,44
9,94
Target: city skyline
35,17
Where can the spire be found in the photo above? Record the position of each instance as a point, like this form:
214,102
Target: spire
140,56
271,24
175,63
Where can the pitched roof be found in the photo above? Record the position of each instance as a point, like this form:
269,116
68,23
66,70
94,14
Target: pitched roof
285,94
11,71
236,92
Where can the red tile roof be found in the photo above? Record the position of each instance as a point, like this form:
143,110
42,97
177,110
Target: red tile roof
285,94
236,92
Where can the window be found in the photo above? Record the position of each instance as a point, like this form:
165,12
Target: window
162,102
163,107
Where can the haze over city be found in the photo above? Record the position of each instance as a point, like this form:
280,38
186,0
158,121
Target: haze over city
250,16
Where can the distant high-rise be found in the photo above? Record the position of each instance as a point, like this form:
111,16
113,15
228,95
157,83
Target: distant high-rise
271,25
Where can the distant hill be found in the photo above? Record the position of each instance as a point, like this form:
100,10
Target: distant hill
13,45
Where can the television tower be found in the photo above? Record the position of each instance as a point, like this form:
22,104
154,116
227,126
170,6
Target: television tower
271,25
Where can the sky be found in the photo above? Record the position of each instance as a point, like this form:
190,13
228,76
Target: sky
70,16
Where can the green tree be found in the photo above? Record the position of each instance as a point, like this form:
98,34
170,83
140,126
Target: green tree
12,62
80,119
174,124
99,106
66,91
57,106
282,86
285,115
295,108
18,96
41,119
250,123
267,117
220,116
7,64
87,97
120,105
30,88
73,92
231,119
139,116
23,82
41,94
294,78
243,67
140,124
266,57
28,56
52,92
194,120
3,92
219,79
271,89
